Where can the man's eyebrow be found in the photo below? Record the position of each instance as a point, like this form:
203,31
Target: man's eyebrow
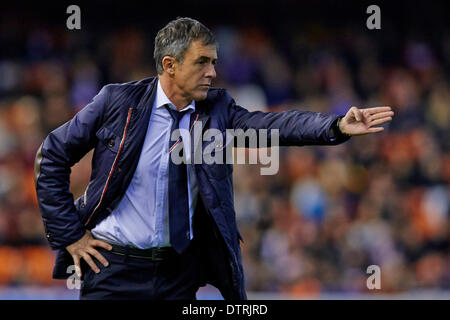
205,58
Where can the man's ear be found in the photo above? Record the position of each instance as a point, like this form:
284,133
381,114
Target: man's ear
168,64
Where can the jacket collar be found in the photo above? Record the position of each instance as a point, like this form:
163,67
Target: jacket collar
201,107
149,95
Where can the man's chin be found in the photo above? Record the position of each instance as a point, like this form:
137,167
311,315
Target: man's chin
201,96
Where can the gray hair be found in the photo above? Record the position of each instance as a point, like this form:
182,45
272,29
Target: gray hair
176,37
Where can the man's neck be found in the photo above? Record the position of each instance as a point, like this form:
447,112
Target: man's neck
172,92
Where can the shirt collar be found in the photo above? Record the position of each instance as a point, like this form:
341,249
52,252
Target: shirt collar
162,99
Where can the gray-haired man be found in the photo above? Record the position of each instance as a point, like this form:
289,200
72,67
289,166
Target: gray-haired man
162,230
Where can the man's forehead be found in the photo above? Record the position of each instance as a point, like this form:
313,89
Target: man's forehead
198,49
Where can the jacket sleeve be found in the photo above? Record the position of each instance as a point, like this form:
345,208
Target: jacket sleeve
296,128
61,149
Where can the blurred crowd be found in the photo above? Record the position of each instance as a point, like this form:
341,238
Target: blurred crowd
329,213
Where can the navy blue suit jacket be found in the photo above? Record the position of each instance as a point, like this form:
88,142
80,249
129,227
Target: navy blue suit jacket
114,124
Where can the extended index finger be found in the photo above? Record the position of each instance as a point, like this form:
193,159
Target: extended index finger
375,110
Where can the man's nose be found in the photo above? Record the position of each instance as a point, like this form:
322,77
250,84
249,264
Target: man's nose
211,72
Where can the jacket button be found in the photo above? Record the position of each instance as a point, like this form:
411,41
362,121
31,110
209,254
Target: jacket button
49,236
82,205
111,143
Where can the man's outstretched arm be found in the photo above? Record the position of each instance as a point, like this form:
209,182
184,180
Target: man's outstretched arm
297,128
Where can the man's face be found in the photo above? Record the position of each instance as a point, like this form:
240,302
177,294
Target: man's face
194,75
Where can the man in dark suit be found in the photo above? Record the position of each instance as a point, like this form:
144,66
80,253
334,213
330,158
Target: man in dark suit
147,227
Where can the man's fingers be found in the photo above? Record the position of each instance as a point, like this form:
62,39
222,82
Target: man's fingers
103,244
76,261
90,262
98,256
375,129
357,113
380,121
382,115
375,110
